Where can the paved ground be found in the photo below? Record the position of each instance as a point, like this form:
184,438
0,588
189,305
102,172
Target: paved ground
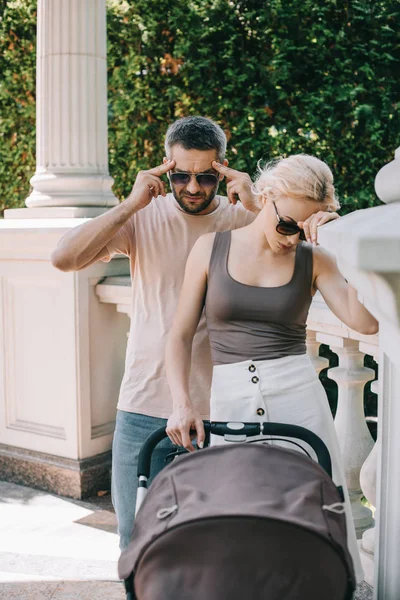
54,548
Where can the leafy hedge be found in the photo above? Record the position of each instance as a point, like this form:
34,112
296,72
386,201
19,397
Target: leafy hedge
316,76
17,101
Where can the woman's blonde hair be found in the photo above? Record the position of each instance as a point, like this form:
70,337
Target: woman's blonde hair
298,176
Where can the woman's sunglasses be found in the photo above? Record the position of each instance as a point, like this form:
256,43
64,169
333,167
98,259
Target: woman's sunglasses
287,227
205,180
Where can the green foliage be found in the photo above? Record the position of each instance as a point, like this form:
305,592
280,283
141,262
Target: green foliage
17,101
281,77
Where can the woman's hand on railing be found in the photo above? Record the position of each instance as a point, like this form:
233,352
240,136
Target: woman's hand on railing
310,225
181,422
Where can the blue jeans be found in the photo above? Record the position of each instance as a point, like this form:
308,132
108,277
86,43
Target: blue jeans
131,431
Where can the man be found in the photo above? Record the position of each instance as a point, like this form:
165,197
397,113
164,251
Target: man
156,231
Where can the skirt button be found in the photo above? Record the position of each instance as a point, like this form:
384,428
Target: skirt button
260,412
255,379
252,368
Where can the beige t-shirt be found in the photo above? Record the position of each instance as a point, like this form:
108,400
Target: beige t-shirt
158,240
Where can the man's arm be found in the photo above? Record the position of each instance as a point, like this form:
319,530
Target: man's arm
87,243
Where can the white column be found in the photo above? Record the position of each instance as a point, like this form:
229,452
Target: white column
355,441
387,548
71,141
61,350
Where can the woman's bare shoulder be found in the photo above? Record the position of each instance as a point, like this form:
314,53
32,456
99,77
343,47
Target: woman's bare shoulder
206,240
204,244
321,255
201,252
323,261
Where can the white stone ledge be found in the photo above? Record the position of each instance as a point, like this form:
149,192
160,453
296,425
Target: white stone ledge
118,291
366,239
322,320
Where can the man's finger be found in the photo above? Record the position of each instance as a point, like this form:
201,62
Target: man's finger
224,170
162,169
154,190
230,184
156,186
232,197
162,188
232,193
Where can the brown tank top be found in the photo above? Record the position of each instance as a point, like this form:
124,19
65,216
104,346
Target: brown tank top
247,322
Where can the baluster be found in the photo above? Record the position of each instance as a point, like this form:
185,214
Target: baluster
313,345
368,486
355,441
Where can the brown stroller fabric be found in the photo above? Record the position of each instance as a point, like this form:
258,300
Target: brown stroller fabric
244,521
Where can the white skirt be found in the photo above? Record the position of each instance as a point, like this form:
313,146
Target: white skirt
283,390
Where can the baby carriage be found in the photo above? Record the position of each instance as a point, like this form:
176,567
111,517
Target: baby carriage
240,522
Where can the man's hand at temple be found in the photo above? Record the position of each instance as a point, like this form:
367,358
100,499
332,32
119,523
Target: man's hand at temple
148,185
239,187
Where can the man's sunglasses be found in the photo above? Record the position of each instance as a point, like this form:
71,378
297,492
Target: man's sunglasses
287,227
205,180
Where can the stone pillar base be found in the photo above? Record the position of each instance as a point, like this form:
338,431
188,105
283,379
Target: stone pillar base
368,564
63,476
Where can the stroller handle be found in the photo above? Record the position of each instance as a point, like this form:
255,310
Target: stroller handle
242,429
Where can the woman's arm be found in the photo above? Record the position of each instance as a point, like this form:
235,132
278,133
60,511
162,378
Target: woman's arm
179,345
340,296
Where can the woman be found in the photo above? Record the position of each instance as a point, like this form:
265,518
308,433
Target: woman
256,284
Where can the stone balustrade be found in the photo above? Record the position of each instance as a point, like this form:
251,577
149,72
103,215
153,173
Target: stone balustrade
358,449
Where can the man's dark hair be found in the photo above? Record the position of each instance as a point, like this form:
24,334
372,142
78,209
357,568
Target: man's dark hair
196,133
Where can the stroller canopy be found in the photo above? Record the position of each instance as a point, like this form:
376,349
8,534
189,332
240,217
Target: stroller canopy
240,521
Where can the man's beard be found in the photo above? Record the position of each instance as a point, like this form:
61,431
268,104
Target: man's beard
198,208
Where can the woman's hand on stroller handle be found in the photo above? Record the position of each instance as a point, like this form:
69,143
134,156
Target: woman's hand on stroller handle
183,420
